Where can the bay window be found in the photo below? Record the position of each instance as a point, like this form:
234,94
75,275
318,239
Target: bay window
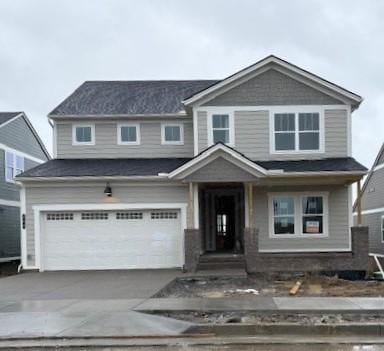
298,215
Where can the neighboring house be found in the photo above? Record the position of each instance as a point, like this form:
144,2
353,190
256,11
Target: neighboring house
20,150
158,174
372,204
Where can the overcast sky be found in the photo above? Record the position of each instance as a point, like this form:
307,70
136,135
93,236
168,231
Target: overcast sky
49,47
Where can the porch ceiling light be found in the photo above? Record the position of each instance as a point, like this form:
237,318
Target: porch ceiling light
108,190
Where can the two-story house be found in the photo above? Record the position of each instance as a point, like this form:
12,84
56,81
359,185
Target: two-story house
158,174
20,149
372,204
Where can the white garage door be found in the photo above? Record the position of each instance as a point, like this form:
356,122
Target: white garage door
111,240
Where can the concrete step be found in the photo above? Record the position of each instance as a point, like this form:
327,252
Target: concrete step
225,261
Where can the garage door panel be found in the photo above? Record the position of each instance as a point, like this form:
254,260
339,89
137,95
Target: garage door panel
116,240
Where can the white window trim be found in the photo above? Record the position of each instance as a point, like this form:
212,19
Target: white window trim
15,155
382,228
138,134
84,143
231,126
296,111
298,196
170,124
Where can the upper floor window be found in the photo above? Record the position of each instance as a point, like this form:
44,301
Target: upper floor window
128,134
14,165
83,134
296,132
172,134
220,128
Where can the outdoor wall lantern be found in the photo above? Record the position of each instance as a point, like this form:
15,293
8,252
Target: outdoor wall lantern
108,190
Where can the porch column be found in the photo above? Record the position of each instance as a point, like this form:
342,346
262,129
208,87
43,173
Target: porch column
191,205
359,219
250,204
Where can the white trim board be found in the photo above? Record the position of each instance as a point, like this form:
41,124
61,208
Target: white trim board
8,259
10,203
21,153
371,211
37,209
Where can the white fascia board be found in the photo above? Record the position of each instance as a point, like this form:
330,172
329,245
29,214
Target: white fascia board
212,150
371,211
20,153
89,178
9,203
286,65
119,116
278,173
381,166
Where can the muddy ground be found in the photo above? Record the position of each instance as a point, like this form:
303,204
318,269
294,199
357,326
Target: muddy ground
262,285
255,318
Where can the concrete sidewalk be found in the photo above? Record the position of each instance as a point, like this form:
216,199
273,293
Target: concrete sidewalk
124,317
268,304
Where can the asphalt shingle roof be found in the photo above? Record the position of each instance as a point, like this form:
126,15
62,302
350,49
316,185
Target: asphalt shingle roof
328,164
130,97
6,116
154,166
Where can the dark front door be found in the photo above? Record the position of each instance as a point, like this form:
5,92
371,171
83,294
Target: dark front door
225,226
222,214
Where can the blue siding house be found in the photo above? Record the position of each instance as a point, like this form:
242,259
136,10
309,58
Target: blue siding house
20,149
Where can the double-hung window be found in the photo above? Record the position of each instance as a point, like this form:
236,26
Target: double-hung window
128,134
14,165
298,215
220,129
297,132
283,215
83,134
172,134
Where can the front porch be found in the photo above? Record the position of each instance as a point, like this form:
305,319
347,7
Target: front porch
281,215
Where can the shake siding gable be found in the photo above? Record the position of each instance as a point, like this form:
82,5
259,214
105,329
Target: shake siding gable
272,88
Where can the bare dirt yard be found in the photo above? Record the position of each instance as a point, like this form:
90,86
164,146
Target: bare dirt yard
270,285
260,318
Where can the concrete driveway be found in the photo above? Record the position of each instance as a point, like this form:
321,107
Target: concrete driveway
132,284
83,304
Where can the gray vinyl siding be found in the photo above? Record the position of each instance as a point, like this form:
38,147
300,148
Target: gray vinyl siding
373,222
94,195
338,235
272,88
9,231
252,135
107,147
202,130
18,135
220,170
10,191
373,196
